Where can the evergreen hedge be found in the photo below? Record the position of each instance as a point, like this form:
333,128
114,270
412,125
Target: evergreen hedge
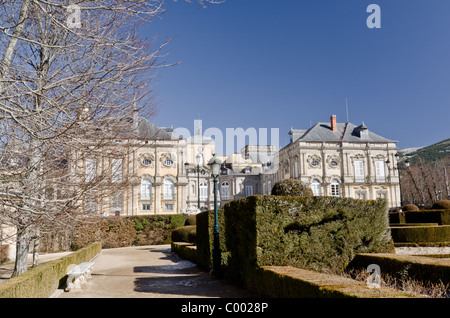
205,238
419,234
43,280
317,233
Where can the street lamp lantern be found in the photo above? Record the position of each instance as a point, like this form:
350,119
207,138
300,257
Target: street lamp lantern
397,156
388,163
407,163
216,271
215,164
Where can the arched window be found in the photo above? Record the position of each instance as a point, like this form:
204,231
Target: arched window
225,190
335,188
146,189
168,190
203,191
316,187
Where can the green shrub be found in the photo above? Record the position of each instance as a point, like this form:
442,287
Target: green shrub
441,217
291,187
410,207
184,234
442,204
205,237
191,220
318,233
177,220
418,234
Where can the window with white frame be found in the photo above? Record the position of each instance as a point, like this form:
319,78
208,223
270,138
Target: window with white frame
362,195
335,188
168,189
359,170
248,190
269,187
90,202
116,203
168,207
381,195
146,189
203,191
225,190
90,169
116,170
295,169
316,187
264,188
146,207
379,171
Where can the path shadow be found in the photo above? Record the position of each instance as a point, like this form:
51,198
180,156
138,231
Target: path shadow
196,284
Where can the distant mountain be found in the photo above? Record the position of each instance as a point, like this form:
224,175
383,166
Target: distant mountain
430,153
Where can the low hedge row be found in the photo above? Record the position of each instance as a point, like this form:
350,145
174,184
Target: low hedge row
442,217
291,282
43,280
419,234
420,268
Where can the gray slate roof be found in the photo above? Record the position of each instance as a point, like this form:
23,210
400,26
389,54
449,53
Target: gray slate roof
148,130
345,132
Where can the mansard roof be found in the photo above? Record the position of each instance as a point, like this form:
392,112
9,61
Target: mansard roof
345,132
148,130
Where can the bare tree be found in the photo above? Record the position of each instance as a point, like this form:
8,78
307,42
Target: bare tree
425,183
71,72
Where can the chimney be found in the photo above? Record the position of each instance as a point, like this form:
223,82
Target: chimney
333,123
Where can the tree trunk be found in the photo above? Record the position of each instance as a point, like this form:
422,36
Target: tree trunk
36,241
22,248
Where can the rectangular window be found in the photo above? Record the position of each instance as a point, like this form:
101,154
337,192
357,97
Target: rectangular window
203,191
379,171
361,195
116,202
359,170
168,207
90,169
248,190
116,170
264,188
145,207
269,187
296,170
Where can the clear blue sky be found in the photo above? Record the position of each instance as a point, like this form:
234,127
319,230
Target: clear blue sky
289,63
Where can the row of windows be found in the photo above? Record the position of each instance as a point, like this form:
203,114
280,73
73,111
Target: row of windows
168,189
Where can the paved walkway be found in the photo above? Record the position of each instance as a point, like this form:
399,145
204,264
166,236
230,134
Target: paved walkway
151,272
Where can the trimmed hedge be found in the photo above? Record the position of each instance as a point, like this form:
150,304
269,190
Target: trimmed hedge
186,251
318,233
291,187
442,217
418,234
420,268
184,234
205,237
442,204
291,282
43,280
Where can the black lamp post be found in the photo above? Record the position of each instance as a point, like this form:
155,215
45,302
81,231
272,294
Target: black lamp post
216,271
